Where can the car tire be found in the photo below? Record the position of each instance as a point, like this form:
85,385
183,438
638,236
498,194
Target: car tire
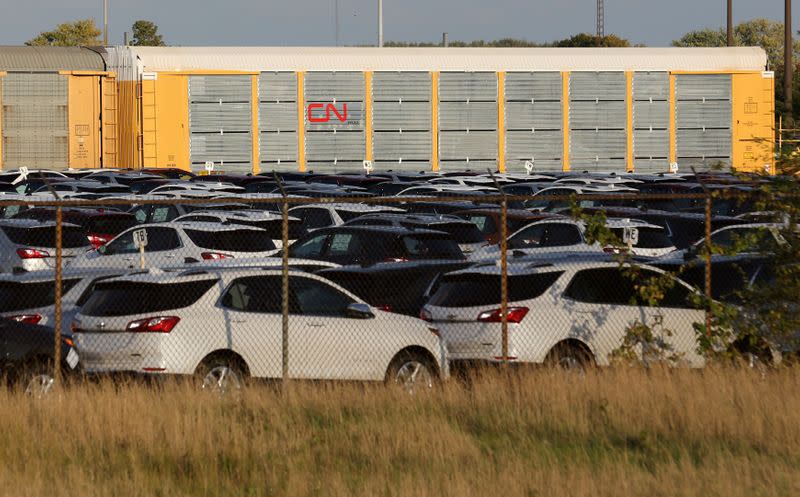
570,358
413,372
222,375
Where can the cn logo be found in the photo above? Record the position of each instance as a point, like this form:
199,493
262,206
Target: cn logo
329,108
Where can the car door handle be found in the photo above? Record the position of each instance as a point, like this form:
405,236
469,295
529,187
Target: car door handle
315,325
238,321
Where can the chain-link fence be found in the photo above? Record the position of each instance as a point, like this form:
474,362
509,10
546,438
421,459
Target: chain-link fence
395,289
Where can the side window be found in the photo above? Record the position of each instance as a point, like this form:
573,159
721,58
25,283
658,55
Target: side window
164,213
601,286
528,238
254,294
317,218
141,214
558,235
678,296
160,239
315,298
345,244
310,248
123,244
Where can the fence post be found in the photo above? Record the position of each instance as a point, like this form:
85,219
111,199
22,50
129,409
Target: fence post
504,275
285,292
57,318
708,246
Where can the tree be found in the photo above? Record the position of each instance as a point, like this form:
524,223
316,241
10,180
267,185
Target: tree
82,32
145,34
588,40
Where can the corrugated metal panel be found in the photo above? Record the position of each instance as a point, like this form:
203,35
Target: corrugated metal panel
539,166
597,85
700,86
225,117
406,86
220,120
50,59
707,164
470,165
219,88
700,143
407,146
268,167
223,150
651,165
650,85
603,144
533,86
346,116
699,114
653,114
467,86
257,59
334,87
475,145
35,129
597,115
405,166
651,144
615,165
277,87
533,115
467,116
395,116
329,146
277,116
524,145
278,146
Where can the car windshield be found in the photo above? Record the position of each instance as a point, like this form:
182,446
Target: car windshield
469,290
429,247
232,240
15,295
121,298
45,236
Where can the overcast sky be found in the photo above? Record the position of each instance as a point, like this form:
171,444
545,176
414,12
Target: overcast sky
311,22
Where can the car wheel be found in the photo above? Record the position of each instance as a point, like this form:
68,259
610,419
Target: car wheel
570,358
221,375
37,380
413,372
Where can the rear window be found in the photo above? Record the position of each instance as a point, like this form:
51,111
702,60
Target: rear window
232,241
15,296
649,238
471,290
274,227
71,236
461,232
425,247
110,224
121,298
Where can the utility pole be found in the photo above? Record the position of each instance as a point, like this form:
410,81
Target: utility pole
601,19
105,22
380,23
730,23
788,62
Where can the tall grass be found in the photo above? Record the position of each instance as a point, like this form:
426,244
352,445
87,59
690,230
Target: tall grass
616,432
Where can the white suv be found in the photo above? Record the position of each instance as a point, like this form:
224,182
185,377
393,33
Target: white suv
559,312
171,244
225,325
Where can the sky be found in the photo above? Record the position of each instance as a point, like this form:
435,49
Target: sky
311,22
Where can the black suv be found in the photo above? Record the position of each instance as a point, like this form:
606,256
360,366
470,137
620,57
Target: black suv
371,244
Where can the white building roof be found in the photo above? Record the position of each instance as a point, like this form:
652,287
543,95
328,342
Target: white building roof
258,59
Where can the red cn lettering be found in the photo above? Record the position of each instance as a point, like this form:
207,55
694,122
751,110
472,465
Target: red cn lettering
312,119
342,117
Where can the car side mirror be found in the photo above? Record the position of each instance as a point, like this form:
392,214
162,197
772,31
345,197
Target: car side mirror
359,311
104,250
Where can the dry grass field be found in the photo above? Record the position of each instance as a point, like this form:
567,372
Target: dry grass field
612,433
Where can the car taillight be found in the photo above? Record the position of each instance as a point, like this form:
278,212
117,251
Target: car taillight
30,253
425,315
98,241
159,324
27,318
215,256
515,315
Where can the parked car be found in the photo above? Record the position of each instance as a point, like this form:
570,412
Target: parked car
30,298
325,215
27,359
169,244
101,224
571,312
749,239
266,220
466,234
225,326
372,244
488,220
28,245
